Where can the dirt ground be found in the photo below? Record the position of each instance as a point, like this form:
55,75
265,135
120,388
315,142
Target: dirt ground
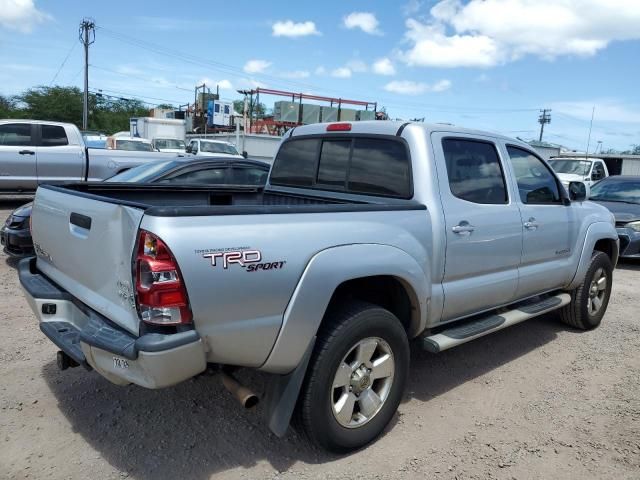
537,400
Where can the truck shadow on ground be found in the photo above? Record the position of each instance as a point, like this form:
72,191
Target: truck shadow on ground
195,429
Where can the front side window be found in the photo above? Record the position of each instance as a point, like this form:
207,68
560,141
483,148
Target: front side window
598,172
474,171
53,136
15,134
536,183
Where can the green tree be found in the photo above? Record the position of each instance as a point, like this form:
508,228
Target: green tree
7,107
260,109
60,104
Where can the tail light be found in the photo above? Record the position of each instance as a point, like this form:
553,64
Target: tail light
162,297
339,127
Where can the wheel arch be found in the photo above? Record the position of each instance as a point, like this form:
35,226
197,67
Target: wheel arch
347,272
600,236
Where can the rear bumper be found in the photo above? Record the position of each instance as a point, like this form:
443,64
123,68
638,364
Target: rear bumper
152,360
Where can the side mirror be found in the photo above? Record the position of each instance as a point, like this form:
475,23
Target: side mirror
577,192
187,149
245,154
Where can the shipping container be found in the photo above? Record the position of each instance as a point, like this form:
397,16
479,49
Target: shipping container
328,114
286,112
310,113
347,115
364,115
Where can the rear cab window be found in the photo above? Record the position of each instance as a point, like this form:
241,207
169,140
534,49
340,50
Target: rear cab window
365,165
53,136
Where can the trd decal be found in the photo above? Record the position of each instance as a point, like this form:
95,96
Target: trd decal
250,260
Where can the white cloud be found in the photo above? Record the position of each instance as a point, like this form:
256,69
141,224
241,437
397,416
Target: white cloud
256,66
485,33
296,74
341,72
289,28
411,7
408,87
21,15
223,84
365,21
383,66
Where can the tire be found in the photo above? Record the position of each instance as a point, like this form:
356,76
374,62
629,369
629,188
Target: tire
346,338
581,312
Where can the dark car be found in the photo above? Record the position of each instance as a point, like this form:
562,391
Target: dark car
15,234
621,195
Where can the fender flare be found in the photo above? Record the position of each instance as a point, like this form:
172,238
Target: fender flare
596,231
323,274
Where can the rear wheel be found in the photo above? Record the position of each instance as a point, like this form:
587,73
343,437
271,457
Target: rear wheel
356,377
590,300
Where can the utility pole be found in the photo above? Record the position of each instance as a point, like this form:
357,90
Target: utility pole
545,117
87,34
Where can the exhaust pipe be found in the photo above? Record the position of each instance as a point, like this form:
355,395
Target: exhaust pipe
246,397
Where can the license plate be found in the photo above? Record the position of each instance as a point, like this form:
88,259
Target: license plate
120,363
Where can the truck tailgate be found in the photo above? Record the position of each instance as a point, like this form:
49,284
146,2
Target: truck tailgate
85,245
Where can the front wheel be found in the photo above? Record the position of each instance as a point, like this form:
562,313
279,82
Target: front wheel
356,377
590,300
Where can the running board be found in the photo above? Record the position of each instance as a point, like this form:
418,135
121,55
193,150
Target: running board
470,330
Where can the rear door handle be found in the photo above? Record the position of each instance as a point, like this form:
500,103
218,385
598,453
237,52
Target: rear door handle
463,228
531,224
27,152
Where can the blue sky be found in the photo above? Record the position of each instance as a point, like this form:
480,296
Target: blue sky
484,64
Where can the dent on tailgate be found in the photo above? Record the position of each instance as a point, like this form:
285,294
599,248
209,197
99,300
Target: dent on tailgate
86,245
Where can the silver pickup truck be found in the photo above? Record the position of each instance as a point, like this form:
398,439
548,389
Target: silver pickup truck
33,152
367,236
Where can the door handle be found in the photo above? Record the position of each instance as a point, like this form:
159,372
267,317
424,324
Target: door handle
531,224
27,152
463,228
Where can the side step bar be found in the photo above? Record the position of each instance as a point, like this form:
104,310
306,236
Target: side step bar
470,330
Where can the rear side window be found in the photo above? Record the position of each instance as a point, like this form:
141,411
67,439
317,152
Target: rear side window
15,134
474,171
249,176
53,136
363,165
205,176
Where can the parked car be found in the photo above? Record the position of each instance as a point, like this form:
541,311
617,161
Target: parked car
586,170
94,139
16,237
33,152
621,195
172,145
202,146
134,144
367,235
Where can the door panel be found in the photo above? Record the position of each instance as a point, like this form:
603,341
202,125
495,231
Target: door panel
58,162
483,227
548,225
17,157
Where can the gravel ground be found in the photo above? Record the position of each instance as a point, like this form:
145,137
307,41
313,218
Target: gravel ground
537,400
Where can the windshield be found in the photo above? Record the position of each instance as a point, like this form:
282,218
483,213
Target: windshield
144,173
616,191
162,143
133,145
577,167
213,147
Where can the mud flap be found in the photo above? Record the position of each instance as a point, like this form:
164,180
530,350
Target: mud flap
282,394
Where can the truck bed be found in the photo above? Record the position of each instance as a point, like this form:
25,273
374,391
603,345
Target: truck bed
172,200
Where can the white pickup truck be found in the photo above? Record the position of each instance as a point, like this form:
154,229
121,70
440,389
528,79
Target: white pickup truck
34,152
585,170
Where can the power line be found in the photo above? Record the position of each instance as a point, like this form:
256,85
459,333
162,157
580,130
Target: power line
63,63
234,70
135,95
129,75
